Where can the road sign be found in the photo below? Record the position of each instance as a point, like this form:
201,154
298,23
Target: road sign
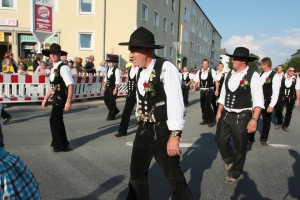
176,45
42,23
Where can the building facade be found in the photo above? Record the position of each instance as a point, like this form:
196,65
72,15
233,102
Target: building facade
296,55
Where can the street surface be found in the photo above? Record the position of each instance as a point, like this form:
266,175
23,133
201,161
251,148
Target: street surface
97,164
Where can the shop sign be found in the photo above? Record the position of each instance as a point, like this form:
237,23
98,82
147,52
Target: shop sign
8,22
31,38
2,37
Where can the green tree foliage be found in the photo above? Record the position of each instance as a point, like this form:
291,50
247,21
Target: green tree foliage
253,65
295,62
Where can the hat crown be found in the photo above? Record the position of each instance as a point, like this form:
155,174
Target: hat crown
55,47
142,36
241,52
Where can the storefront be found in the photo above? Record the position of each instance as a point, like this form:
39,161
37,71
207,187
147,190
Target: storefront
5,43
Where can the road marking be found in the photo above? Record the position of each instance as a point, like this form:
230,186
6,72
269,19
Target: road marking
283,146
180,145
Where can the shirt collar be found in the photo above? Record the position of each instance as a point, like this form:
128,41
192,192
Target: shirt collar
244,71
150,67
56,64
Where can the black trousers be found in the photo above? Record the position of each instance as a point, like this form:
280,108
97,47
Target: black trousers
110,102
4,114
129,105
289,102
205,102
58,131
185,94
145,147
233,125
267,117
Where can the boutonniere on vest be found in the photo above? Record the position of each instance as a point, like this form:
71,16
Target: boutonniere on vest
152,75
56,72
244,83
294,80
223,75
268,80
149,87
53,89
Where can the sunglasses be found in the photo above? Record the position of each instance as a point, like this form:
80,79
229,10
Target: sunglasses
292,70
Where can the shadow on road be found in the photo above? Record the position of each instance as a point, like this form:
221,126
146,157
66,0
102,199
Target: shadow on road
294,181
246,189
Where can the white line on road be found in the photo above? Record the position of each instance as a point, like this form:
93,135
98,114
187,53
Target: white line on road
180,145
283,146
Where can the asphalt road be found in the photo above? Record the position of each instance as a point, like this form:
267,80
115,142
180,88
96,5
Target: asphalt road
97,165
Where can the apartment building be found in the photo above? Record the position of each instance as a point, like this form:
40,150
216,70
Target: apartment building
199,38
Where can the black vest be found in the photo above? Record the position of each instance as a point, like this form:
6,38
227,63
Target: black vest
61,91
221,81
111,81
288,91
267,87
186,80
208,82
131,84
240,98
159,101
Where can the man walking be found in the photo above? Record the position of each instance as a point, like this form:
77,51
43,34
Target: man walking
206,78
220,79
110,88
288,95
241,92
186,81
62,87
159,124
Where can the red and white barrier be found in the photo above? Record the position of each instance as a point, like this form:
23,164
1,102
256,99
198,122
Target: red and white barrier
17,88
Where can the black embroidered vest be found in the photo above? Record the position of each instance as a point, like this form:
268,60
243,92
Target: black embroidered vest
186,80
159,101
288,91
240,98
111,81
221,81
131,84
267,87
59,88
208,82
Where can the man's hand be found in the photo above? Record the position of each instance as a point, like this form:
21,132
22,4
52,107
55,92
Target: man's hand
68,106
270,109
216,93
103,89
173,146
297,102
115,92
45,103
193,90
218,116
252,125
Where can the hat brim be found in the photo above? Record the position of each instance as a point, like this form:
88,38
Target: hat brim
141,45
112,61
47,52
250,59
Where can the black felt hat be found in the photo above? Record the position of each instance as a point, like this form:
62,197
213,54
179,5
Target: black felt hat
53,48
242,52
142,37
112,59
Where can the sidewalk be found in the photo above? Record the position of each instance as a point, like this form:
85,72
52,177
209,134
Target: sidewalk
31,107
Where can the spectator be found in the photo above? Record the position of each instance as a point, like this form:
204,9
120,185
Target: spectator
22,61
72,68
78,65
49,63
22,69
42,70
36,62
10,55
7,67
63,58
102,68
123,72
89,66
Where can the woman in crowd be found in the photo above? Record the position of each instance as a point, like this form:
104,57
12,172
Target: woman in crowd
37,60
79,67
102,68
22,61
49,63
72,68
22,69
42,69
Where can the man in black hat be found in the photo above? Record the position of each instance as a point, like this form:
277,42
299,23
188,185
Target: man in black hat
159,124
240,104
62,87
130,101
110,88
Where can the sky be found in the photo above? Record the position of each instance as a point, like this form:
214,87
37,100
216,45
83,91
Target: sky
268,28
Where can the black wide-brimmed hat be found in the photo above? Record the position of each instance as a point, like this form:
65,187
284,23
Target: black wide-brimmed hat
242,52
54,48
142,37
112,59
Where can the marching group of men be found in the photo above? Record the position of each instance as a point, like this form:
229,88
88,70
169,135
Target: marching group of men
239,97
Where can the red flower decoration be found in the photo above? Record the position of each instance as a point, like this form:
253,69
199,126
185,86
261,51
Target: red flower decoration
242,82
55,70
146,85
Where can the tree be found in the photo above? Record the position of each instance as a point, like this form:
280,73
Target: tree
295,62
253,65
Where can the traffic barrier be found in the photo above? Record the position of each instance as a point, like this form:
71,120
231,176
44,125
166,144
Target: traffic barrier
17,88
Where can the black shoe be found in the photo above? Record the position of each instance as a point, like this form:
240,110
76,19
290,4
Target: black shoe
203,122
211,124
264,143
6,120
285,129
278,126
186,105
250,141
119,135
117,113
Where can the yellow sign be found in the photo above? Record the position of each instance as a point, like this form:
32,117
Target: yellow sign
2,38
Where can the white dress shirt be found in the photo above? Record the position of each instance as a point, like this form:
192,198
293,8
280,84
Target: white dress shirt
234,83
219,75
204,76
275,86
133,72
65,73
117,75
288,82
169,76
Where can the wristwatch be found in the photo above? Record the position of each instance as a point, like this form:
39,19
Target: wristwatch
255,119
175,133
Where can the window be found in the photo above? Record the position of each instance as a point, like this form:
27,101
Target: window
8,4
194,11
144,12
186,14
173,5
166,2
86,40
87,7
171,52
163,51
172,28
192,47
185,36
165,25
193,28
155,19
